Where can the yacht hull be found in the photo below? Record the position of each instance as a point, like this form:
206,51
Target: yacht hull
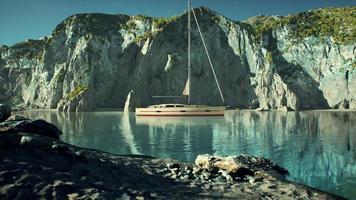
181,111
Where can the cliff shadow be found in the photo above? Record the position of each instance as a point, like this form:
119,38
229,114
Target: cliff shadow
234,71
309,96
231,68
146,74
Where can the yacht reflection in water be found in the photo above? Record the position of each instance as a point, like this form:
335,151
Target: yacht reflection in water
178,137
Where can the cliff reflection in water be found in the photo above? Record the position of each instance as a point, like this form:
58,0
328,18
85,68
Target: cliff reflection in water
317,147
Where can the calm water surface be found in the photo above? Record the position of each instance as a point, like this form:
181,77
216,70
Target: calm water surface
317,147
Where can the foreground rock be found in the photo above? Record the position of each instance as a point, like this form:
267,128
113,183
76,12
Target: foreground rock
36,167
17,124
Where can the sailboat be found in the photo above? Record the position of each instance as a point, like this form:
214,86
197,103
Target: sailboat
187,109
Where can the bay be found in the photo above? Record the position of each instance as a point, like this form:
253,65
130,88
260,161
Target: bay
317,147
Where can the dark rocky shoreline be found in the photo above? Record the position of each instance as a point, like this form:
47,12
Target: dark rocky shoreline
35,164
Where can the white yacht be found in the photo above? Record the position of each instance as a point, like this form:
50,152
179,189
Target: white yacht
187,109
180,110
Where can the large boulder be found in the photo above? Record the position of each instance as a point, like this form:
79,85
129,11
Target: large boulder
5,112
208,162
23,125
240,167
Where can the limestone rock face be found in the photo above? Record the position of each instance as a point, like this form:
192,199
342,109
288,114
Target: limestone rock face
327,67
94,60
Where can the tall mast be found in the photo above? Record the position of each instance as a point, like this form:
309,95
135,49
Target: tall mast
207,53
189,48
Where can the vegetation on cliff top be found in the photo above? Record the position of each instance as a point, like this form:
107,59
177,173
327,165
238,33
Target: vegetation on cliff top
30,49
339,23
95,23
158,23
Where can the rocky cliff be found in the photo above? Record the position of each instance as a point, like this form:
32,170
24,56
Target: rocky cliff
301,61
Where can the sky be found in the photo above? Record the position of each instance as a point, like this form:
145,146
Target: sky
33,19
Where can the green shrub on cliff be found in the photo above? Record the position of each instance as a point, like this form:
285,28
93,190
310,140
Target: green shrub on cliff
353,65
269,57
77,90
339,23
215,19
161,22
130,26
141,17
148,34
261,24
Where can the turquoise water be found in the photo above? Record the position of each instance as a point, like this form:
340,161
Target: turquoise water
317,147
